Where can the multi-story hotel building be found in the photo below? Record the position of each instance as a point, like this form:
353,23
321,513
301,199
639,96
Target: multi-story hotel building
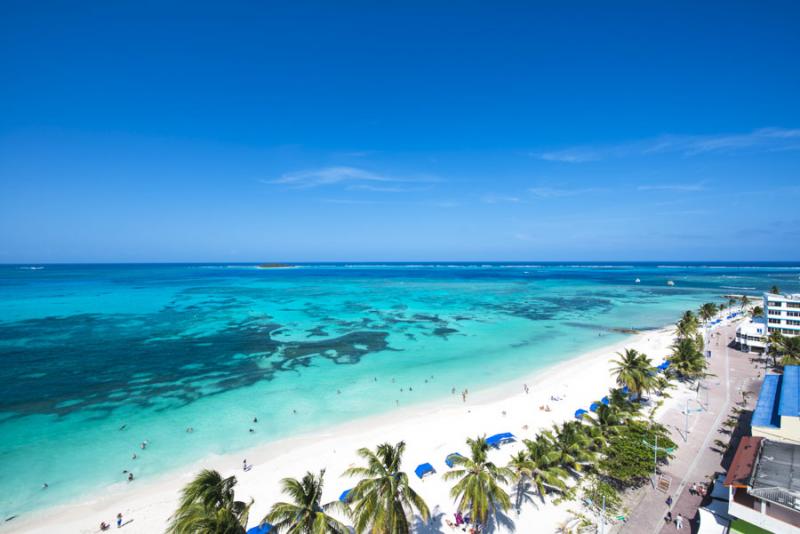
782,313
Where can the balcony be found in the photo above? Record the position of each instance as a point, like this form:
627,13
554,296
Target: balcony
775,518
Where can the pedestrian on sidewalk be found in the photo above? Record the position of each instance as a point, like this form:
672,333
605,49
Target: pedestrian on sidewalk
679,522
668,517
669,501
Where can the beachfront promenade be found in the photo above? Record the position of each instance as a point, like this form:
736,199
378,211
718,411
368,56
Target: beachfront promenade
696,460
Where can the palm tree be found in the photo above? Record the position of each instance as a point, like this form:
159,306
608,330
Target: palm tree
774,344
687,325
304,514
382,501
686,360
775,290
544,470
607,419
634,371
745,301
790,348
571,444
478,490
621,402
707,311
662,384
520,467
207,506
757,311
731,302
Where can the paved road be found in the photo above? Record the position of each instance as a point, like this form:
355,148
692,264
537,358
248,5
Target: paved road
696,460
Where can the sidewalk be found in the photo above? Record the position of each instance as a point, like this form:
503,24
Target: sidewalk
695,460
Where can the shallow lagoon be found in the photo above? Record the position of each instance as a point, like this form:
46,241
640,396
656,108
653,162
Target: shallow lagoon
154,349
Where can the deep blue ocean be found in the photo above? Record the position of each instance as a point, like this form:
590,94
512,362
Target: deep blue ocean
94,359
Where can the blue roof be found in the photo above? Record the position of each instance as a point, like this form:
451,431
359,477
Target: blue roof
424,469
790,392
260,529
449,459
766,412
345,493
579,413
499,438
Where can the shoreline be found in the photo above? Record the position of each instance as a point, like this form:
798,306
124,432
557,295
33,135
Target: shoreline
431,429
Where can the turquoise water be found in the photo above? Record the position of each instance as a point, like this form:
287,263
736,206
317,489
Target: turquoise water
154,349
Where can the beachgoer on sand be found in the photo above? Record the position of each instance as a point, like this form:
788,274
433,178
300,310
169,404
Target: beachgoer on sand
119,520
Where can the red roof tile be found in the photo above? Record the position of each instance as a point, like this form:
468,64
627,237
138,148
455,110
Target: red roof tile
743,462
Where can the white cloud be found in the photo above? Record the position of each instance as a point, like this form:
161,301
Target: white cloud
354,177
764,139
558,192
686,188
385,189
328,176
491,198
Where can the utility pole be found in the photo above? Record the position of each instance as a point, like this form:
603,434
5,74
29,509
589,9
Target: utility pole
603,517
655,462
686,424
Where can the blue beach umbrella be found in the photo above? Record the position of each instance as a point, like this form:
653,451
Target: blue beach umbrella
499,439
424,469
579,413
344,495
260,529
450,457
605,400
594,406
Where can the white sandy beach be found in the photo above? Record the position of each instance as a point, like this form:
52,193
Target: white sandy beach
431,431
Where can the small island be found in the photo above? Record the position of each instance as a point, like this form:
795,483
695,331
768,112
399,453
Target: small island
274,265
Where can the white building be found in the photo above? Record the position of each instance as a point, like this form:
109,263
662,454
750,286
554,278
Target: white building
782,313
752,335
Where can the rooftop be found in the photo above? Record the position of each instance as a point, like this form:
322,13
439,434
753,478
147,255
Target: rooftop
784,296
777,474
743,462
766,412
756,327
790,392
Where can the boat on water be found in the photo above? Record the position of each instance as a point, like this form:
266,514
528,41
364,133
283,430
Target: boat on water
670,283
638,281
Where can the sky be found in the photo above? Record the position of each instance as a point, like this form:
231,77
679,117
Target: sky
399,131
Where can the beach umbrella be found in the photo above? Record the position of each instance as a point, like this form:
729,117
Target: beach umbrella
450,457
499,439
594,406
424,469
345,493
579,413
260,529
605,400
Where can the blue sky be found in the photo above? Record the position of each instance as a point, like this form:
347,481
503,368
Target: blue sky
256,131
